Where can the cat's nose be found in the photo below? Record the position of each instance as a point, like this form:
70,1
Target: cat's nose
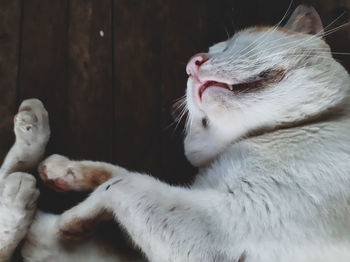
195,62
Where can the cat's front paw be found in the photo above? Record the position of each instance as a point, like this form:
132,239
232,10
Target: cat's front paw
18,196
31,123
72,226
62,174
56,173
85,218
75,228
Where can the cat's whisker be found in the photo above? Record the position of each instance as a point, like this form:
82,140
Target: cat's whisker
320,34
335,29
331,23
268,32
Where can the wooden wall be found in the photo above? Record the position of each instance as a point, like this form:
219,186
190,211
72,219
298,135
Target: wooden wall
109,71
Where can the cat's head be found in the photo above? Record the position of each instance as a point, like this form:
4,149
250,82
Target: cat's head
261,78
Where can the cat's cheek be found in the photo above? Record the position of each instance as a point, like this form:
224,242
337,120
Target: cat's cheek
193,100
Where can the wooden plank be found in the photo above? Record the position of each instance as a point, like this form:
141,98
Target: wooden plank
227,17
137,79
185,34
44,74
90,80
10,15
44,62
67,63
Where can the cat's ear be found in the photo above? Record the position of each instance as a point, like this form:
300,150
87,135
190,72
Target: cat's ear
305,19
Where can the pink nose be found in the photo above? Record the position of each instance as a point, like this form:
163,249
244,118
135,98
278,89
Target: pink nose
195,62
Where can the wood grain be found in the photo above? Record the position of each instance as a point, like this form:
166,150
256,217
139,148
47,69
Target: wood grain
10,16
89,88
183,36
137,65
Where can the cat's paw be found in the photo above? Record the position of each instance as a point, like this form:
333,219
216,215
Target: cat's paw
18,196
31,123
72,226
18,191
62,174
75,228
56,173
83,219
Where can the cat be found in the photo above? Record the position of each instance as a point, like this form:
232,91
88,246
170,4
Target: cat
268,127
18,193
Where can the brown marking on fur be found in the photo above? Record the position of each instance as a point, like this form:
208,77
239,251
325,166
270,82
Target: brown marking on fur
243,257
95,176
76,229
79,228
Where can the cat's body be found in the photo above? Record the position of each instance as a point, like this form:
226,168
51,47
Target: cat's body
269,128
257,202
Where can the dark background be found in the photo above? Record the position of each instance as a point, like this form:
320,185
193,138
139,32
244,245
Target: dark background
110,97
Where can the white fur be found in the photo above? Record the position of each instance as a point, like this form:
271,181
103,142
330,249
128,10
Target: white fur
274,179
18,194
31,126
17,206
42,244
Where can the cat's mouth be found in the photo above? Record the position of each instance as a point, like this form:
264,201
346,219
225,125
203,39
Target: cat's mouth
209,84
253,84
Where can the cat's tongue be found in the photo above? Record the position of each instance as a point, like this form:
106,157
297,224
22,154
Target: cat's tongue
209,84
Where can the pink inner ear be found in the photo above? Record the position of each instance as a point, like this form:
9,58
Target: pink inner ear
305,20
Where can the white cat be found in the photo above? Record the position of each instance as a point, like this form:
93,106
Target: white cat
18,194
269,128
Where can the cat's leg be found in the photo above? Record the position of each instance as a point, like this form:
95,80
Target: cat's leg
167,223
31,127
18,196
63,174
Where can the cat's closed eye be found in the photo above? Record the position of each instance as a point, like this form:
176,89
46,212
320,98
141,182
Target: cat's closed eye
219,47
263,79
